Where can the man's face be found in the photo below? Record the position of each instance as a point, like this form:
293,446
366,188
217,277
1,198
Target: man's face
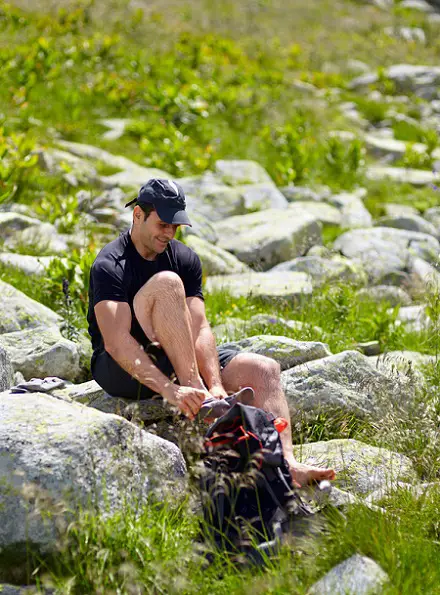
155,233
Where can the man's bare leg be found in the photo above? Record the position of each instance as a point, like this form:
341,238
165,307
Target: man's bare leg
263,375
161,310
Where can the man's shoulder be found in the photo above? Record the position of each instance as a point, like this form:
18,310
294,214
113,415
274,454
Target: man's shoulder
183,252
112,253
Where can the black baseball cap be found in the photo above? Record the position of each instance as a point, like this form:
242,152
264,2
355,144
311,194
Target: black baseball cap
168,199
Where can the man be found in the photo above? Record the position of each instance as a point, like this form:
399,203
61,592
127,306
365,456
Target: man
148,324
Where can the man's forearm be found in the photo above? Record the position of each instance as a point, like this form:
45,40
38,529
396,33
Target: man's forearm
129,354
207,358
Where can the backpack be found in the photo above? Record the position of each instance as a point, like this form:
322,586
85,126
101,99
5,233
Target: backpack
247,490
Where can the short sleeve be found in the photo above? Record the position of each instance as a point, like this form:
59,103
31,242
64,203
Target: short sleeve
106,283
190,269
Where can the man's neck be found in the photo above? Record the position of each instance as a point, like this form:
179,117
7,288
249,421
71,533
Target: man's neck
144,252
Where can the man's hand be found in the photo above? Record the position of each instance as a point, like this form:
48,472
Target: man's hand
218,392
186,398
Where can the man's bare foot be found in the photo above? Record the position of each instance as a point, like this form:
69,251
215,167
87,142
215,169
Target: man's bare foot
303,475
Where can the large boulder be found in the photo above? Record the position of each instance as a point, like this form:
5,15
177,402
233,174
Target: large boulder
237,172
383,250
41,352
266,238
325,270
287,352
30,265
405,175
358,575
261,196
209,196
408,222
6,370
352,209
347,381
265,285
215,260
385,293
21,230
323,212
361,468
19,311
57,457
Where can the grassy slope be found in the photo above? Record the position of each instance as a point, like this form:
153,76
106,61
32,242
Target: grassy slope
242,57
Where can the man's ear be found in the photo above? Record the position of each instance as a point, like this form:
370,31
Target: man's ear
137,213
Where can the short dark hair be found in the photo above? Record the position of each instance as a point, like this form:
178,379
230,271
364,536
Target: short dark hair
147,208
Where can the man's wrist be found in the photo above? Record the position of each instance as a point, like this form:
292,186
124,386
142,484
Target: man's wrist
169,391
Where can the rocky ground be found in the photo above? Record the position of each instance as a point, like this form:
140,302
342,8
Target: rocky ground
260,243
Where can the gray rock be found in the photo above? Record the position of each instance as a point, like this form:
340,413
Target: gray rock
423,490
6,370
427,275
302,193
321,251
353,211
406,77
21,312
392,148
264,285
411,34
30,265
347,381
358,575
17,229
408,222
238,328
211,197
202,227
41,352
287,352
433,216
325,213
419,5
266,238
396,210
385,293
382,250
325,270
239,171
414,318
116,127
215,260
63,162
404,362
261,196
58,457
361,468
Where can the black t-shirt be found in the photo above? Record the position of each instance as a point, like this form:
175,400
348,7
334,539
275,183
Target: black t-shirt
119,271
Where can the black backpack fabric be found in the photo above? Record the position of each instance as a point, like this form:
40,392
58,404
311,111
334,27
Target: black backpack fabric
246,485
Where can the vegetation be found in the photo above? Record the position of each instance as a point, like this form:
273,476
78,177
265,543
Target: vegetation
197,81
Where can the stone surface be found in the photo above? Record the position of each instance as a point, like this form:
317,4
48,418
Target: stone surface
265,285
396,210
19,311
427,275
416,177
41,352
54,453
323,212
215,260
209,196
358,575
238,172
394,149
385,293
17,230
382,250
414,318
287,352
361,468
408,222
325,270
407,77
6,370
347,381
261,197
402,361
353,211
237,328
266,238
30,265
302,193
433,216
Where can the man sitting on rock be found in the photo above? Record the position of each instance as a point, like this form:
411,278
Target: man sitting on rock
148,324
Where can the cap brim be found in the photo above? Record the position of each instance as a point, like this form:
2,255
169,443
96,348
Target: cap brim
173,217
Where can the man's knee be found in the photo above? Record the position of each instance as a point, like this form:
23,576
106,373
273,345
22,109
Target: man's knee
258,368
164,283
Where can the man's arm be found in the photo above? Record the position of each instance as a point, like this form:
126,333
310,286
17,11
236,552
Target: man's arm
114,321
206,352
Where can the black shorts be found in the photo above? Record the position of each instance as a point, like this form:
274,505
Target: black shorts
118,383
